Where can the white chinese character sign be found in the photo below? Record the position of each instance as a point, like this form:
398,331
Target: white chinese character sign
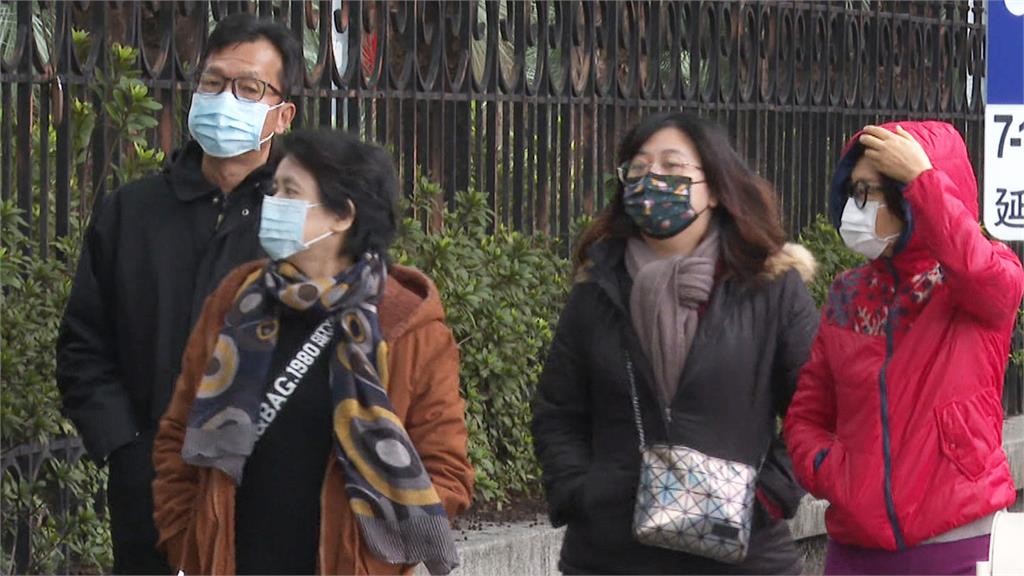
1004,121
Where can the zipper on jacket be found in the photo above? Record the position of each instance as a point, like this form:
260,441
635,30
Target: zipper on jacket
890,503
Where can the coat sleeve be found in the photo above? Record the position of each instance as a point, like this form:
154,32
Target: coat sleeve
797,327
809,426
88,376
985,277
799,321
176,486
561,415
436,418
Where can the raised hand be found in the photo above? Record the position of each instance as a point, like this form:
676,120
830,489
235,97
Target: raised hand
894,154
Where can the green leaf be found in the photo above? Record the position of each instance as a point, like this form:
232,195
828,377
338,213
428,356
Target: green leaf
499,315
147,122
151,105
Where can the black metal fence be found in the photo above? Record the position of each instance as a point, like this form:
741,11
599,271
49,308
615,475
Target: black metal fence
525,100
22,466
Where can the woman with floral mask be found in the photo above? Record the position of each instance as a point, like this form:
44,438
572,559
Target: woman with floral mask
317,425
686,326
897,419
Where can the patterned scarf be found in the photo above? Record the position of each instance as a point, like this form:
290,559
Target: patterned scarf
392,497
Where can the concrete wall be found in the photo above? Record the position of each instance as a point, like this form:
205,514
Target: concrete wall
532,547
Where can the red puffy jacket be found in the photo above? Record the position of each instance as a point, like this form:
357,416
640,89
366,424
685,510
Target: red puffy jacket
897,419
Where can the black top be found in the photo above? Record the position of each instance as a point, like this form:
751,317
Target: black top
155,248
739,376
277,505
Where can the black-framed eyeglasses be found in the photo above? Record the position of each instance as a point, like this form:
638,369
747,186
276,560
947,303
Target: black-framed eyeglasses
244,88
860,190
631,172
678,185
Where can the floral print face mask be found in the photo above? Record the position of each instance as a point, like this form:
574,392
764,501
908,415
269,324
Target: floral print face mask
660,204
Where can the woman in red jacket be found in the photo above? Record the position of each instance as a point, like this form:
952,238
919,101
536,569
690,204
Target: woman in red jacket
897,420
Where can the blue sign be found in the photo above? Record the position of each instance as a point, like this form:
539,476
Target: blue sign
1005,52
1003,196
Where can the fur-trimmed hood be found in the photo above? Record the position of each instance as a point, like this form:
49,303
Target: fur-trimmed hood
792,256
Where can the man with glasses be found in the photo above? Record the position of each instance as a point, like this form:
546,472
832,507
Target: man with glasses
154,250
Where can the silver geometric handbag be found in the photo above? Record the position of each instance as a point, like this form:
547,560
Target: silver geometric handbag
692,502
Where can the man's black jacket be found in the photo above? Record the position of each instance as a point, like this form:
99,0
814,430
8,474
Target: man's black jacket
154,249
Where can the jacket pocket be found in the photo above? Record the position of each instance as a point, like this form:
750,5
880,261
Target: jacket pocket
607,491
607,500
819,458
830,473
968,432
778,484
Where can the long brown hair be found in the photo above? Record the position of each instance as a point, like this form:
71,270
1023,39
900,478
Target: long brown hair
747,214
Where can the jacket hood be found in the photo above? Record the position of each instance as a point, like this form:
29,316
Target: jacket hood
947,151
410,298
185,175
792,257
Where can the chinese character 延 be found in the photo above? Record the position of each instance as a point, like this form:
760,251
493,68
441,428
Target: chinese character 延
1010,210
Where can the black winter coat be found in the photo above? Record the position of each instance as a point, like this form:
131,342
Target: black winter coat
740,374
154,249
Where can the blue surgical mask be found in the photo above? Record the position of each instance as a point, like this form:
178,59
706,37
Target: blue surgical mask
282,222
225,126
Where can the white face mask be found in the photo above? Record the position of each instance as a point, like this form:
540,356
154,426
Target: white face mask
858,229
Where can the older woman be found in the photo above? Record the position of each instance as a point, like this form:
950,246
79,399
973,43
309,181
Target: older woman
317,424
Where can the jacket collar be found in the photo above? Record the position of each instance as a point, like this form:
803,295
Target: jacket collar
904,265
185,173
606,267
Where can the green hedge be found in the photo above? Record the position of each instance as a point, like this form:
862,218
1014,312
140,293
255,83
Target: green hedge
69,534
502,292
32,302
821,238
